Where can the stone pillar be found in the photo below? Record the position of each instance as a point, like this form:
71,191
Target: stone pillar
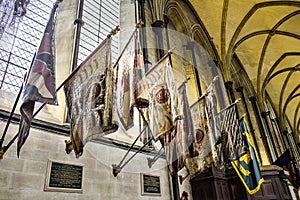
265,116
142,32
191,46
228,86
276,121
278,147
78,22
261,127
64,37
157,28
240,90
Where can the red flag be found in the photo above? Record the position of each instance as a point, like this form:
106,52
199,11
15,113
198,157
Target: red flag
40,85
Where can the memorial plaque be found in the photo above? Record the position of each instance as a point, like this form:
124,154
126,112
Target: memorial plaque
64,177
150,185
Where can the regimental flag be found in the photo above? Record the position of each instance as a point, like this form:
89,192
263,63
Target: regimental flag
159,84
211,109
40,84
89,96
232,145
11,12
178,144
287,163
246,165
202,155
130,67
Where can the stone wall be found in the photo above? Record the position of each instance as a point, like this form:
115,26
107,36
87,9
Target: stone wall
24,177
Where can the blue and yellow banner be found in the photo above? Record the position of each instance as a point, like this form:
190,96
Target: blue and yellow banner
246,165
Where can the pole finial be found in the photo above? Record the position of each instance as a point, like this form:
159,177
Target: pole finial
139,24
2,153
116,170
114,31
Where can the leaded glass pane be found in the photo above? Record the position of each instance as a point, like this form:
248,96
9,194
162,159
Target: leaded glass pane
19,42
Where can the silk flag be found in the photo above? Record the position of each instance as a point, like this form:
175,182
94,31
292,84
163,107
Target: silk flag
211,109
130,69
202,156
232,144
160,86
89,96
246,165
40,84
178,143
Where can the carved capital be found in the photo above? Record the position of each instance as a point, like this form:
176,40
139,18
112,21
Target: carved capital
157,8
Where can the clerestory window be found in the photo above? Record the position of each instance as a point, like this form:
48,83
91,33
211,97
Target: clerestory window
20,35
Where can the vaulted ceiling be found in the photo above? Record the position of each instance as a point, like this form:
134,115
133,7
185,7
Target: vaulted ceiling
265,35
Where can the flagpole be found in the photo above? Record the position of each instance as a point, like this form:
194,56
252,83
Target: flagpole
14,108
151,161
11,115
117,168
137,26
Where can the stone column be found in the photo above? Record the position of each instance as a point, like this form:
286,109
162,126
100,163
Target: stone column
261,127
64,39
265,116
157,28
228,86
191,46
240,90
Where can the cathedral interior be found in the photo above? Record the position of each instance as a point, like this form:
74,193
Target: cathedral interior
166,59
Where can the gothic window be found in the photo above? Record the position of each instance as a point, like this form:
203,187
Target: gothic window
99,17
19,37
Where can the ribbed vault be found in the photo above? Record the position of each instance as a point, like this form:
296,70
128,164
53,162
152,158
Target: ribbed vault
265,36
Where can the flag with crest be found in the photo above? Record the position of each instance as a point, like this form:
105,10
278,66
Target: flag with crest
89,96
201,158
160,86
40,84
246,164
